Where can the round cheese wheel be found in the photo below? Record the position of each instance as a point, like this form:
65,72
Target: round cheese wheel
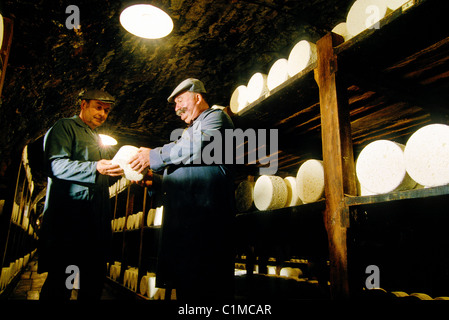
365,14
342,30
150,217
122,157
244,196
270,192
310,181
278,73
239,99
292,192
144,285
257,87
380,168
302,55
426,155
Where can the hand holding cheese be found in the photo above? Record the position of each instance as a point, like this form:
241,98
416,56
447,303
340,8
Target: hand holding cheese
106,167
141,160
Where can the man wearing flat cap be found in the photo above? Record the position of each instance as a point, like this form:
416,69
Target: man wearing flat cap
196,254
76,225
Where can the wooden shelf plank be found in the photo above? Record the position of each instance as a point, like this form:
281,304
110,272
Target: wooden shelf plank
398,195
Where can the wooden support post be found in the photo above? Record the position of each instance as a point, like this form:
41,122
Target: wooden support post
339,172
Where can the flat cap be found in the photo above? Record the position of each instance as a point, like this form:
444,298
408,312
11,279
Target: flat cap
97,95
190,84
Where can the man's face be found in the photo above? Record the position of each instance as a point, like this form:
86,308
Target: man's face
186,106
94,112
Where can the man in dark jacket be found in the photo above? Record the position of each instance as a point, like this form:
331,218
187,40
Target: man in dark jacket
76,224
196,250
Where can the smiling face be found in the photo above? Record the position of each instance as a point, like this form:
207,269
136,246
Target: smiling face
189,105
94,112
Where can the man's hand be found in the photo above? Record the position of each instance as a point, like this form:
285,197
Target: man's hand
106,168
141,160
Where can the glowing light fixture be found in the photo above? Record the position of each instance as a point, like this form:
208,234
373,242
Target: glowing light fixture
146,21
107,140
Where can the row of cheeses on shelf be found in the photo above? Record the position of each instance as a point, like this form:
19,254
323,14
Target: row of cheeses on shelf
135,221
8,273
274,192
382,166
23,220
362,15
146,286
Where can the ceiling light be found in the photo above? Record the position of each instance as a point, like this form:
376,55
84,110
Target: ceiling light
146,21
107,140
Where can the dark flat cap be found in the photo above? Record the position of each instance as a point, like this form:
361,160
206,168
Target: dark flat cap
190,84
97,95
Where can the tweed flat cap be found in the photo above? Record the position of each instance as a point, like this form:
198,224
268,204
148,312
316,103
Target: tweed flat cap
190,84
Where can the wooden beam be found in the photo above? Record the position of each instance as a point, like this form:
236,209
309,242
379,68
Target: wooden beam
338,159
5,49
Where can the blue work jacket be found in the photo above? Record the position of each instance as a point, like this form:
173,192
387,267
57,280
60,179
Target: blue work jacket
77,216
199,204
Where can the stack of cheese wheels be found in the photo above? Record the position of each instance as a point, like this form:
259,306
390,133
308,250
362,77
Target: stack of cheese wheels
122,157
365,14
342,30
310,181
244,196
270,192
239,99
426,155
257,87
380,168
292,192
278,73
302,55
114,270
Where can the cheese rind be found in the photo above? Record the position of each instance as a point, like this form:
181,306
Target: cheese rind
380,168
278,73
302,55
270,192
244,196
122,157
426,155
292,192
310,181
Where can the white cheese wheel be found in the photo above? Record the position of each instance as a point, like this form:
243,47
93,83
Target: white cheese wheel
292,192
310,181
380,168
278,73
302,55
239,99
158,216
395,4
427,155
122,157
342,30
257,87
244,196
365,14
270,192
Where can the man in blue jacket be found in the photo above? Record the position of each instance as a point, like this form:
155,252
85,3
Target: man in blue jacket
196,251
76,225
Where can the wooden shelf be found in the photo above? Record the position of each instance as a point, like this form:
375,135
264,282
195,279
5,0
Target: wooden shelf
398,195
